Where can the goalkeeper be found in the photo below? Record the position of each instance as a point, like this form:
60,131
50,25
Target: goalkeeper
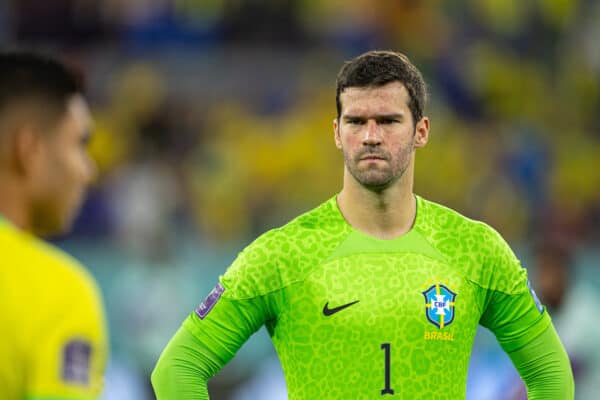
378,292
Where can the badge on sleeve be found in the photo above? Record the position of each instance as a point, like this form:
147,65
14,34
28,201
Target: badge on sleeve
536,299
210,301
77,357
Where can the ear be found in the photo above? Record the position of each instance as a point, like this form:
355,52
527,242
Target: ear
422,132
336,134
27,150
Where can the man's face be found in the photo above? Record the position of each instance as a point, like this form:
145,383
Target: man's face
377,135
62,171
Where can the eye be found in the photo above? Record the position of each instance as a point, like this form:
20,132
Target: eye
387,121
354,121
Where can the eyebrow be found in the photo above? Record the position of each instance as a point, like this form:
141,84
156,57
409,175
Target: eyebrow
381,116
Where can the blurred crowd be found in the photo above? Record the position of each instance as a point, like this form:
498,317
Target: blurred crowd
214,124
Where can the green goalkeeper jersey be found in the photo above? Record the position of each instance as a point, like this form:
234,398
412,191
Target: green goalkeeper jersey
355,317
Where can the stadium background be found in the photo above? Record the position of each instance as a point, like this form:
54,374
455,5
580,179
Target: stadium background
213,124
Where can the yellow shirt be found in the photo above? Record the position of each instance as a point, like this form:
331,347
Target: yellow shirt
52,331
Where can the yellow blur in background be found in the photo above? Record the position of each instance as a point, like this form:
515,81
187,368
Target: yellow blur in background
214,124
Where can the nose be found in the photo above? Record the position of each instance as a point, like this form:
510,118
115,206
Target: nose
372,134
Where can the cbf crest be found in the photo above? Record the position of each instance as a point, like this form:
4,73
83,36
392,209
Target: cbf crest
439,305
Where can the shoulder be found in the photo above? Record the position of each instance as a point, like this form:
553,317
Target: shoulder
473,245
312,231
49,271
70,311
448,227
62,297
71,300
437,215
286,254
66,270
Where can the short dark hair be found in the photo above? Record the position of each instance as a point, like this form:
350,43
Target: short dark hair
30,77
378,68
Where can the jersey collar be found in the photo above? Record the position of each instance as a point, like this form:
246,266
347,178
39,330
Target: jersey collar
414,227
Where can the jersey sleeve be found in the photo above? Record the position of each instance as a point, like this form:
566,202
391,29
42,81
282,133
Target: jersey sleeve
184,368
544,366
207,340
247,296
223,323
69,357
511,310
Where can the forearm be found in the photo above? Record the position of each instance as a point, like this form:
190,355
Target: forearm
184,367
545,368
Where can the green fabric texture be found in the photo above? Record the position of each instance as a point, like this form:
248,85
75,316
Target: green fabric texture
410,307
513,321
183,369
545,368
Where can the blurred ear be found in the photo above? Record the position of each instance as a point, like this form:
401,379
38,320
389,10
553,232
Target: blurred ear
422,132
336,134
27,150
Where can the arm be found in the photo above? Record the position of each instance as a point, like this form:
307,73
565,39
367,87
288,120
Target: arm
206,341
544,366
184,368
529,338
247,296
523,327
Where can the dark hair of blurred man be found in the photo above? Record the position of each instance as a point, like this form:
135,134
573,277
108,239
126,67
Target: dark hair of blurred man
52,341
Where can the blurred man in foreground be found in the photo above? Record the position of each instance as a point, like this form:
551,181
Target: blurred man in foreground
376,292
52,329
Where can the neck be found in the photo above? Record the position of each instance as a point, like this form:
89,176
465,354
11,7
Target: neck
385,214
13,204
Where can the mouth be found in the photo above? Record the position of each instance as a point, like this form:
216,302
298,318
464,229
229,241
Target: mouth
372,157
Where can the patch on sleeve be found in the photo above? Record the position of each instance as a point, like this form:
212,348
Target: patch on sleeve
210,301
536,299
77,357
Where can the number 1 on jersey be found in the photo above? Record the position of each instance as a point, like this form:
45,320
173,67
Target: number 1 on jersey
386,347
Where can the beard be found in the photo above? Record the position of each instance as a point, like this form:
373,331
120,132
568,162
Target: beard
380,175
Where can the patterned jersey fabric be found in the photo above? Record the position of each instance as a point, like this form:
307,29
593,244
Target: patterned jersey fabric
355,317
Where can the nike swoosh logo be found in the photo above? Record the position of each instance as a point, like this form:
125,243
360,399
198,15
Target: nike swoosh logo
330,311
